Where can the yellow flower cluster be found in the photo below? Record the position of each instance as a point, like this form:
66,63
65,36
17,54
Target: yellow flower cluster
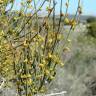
26,76
71,22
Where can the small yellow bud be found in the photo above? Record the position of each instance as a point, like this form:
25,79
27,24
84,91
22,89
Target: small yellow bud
42,91
47,72
62,64
34,39
49,55
66,21
37,43
59,37
50,41
52,77
33,90
28,76
30,81
42,46
51,69
66,49
0,47
26,60
41,65
43,61
69,40
2,33
72,22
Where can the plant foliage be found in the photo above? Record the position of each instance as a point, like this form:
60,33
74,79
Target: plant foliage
28,44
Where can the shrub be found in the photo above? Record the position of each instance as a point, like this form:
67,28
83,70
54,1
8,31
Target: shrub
92,29
91,19
29,55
